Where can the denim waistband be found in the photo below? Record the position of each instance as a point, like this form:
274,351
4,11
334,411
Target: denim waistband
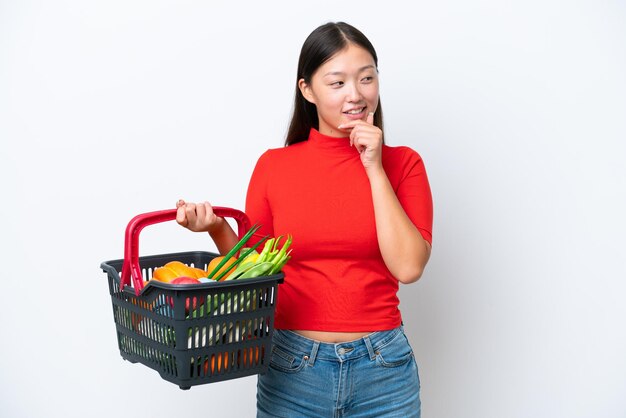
365,346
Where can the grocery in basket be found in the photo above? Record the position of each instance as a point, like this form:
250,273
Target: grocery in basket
197,317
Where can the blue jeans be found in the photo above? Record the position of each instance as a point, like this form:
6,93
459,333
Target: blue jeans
375,376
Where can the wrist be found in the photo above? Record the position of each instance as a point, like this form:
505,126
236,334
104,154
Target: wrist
217,226
376,172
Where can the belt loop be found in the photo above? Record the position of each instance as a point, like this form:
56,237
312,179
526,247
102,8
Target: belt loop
370,349
316,345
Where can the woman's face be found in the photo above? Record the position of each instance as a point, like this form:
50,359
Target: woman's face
343,89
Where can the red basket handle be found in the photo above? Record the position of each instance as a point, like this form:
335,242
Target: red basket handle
130,267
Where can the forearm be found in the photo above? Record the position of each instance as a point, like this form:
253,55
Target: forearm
223,236
404,250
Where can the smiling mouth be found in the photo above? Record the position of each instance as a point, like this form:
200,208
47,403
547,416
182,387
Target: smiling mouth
355,111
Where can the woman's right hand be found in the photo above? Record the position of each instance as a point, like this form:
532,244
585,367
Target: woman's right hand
197,217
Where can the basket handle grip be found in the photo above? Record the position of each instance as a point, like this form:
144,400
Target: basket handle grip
130,267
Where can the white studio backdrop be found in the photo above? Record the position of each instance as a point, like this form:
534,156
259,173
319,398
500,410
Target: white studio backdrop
110,109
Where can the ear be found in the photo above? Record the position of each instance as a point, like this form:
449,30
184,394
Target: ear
306,91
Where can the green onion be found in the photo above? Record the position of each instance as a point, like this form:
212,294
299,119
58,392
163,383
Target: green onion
234,250
240,259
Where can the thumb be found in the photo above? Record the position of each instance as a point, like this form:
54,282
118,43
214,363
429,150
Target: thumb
370,118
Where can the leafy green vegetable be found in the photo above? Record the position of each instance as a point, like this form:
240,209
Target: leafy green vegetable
257,270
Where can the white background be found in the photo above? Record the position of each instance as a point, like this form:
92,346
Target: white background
113,108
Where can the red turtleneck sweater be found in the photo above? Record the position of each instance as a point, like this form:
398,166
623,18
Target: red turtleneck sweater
318,191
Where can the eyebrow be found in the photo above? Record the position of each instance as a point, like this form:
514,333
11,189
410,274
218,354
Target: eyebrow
342,73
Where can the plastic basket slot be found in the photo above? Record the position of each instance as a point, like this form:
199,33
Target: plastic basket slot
123,317
264,326
164,334
197,304
201,306
117,314
167,343
261,329
116,293
232,335
133,313
249,357
248,299
144,326
220,331
162,307
167,334
229,332
211,365
212,332
228,303
209,335
158,360
267,297
197,337
139,327
221,304
223,331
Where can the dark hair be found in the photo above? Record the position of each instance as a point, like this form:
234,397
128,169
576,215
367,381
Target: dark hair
320,46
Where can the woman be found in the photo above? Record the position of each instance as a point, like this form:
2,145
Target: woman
360,213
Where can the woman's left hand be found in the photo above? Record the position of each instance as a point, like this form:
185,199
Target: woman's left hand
368,140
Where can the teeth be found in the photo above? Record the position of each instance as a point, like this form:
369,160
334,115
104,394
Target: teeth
355,111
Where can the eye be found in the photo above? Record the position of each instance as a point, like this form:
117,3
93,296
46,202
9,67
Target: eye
336,84
367,79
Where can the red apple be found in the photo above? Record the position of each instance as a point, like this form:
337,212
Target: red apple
185,280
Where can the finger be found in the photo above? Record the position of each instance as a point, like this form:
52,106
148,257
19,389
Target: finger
208,210
180,203
353,136
201,212
190,212
353,128
361,136
357,140
349,125
181,216
370,118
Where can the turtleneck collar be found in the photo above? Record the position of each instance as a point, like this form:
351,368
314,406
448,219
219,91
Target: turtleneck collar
335,144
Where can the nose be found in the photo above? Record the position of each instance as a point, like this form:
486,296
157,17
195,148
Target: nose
353,94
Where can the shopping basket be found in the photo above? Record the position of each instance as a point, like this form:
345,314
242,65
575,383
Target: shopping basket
191,334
